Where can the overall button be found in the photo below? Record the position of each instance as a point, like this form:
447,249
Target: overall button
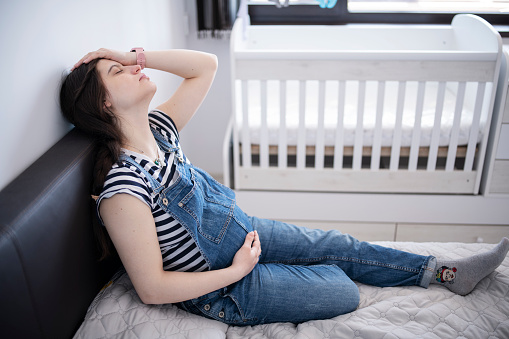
221,314
181,204
206,307
165,202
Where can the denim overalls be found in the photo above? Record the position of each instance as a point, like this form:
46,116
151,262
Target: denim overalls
303,274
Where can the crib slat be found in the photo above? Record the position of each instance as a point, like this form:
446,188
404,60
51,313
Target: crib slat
435,135
301,141
246,143
474,130
264,132
396,138
230,175
338,144
453,143
282,153
320,137
377,136
359,130
416,134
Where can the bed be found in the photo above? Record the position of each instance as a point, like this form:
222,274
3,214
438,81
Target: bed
53,286
395,312
359,108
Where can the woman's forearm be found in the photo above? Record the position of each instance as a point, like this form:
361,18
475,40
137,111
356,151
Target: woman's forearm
173,287
187,64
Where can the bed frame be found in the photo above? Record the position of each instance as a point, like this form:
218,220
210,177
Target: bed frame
453,68
48,257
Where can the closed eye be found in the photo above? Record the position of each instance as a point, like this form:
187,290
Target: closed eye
117,66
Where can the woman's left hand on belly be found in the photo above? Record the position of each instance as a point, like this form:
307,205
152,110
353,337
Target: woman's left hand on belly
247,256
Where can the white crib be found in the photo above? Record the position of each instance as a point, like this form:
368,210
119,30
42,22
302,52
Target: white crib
361,108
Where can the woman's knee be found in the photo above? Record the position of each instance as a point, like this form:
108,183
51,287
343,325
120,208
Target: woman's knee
339,291
280,293
349,297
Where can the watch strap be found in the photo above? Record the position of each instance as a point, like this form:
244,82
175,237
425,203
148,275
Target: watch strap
140,56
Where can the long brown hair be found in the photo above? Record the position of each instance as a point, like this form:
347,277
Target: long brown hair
82,97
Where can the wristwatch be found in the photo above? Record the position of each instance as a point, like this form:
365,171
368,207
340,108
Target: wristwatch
140,56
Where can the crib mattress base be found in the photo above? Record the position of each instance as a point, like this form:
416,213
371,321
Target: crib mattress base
366,151
367,154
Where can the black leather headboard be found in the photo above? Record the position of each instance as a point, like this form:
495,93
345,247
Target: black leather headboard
49,268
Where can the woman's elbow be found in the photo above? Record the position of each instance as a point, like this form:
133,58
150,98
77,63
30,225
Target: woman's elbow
148,292
212,62
151,296
215,61
154,299
148,298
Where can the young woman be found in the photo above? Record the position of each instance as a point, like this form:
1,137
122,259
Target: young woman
179,233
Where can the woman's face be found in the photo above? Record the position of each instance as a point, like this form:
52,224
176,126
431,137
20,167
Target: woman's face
127,87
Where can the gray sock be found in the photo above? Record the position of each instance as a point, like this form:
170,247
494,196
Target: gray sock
461,276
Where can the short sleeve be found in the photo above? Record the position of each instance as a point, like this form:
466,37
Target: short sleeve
125,180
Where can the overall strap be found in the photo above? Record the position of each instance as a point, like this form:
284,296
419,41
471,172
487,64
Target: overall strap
156,186
167,147
163,143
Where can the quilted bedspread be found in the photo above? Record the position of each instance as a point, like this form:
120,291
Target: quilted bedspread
390,312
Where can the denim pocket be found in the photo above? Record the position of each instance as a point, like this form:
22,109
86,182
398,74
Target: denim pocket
211,209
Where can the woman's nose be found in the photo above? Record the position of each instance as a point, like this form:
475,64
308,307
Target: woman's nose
136,69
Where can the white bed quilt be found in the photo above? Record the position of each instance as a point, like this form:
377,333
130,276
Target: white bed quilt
394,312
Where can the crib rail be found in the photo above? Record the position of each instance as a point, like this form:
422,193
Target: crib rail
308,68
314,163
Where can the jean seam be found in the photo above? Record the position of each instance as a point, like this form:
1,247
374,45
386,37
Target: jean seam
360,261
426,271
241,310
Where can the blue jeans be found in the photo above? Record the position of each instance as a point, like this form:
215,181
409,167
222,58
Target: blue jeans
302,274
305,274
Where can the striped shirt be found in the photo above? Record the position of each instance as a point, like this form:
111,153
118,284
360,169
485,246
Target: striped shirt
178,248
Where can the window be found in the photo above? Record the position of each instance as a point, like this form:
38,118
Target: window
429,6
495,12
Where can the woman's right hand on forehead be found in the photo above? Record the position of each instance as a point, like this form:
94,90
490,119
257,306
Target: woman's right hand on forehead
125,58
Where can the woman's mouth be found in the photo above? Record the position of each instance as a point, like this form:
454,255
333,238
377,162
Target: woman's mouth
143,76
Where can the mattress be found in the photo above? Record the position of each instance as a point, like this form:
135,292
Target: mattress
390,312
351,107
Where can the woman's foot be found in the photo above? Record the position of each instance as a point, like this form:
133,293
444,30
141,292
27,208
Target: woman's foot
461,276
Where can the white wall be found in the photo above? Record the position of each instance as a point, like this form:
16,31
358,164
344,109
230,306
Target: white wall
39,39
202,138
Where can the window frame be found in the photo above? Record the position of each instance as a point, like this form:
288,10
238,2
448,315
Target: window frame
339,15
